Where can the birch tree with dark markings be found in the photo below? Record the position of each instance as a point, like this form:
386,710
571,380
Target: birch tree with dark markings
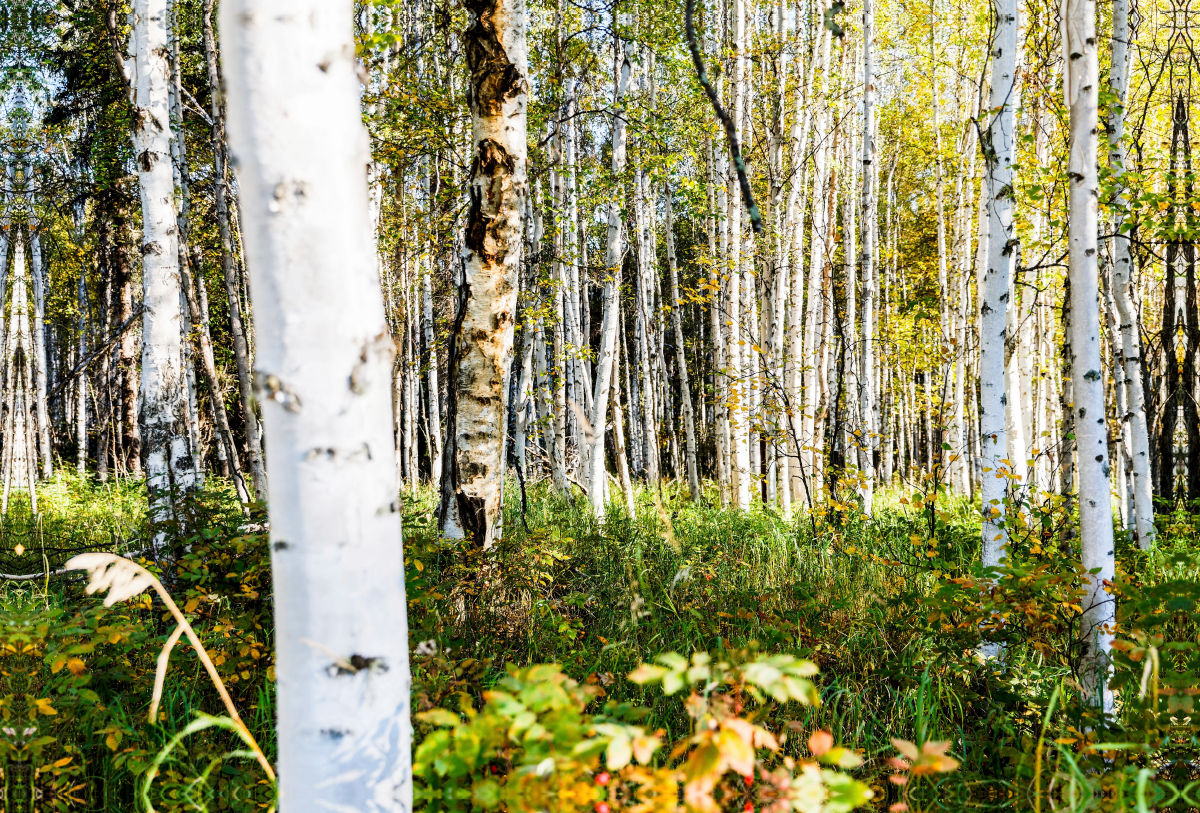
324,375
481,339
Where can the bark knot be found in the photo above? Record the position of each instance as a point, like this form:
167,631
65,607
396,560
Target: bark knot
494,77
491,175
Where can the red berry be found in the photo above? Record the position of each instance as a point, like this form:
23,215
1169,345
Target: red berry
749,779
603,807
749,808
602,778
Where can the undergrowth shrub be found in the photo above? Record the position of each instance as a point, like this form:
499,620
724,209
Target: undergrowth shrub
537,745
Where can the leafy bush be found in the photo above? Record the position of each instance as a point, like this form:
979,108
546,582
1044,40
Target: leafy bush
534,745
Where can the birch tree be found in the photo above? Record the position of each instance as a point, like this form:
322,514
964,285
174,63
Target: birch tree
998,145
39,353
167,454
1135,424
237,323
482,336
685,389
870,228
613,256
1081,79
324,369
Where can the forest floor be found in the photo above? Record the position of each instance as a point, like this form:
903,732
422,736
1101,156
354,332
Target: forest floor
892,609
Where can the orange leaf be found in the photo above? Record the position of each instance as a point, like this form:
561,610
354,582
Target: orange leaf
820,742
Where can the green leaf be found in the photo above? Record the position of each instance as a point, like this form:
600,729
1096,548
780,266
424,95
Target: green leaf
439,717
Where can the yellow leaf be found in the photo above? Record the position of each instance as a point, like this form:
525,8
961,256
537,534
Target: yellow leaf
737,752
417,564
44,707
907,748
644,748
76,665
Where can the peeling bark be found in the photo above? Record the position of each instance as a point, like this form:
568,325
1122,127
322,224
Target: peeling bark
481,339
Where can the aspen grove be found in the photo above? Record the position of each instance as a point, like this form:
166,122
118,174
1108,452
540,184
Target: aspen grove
599,405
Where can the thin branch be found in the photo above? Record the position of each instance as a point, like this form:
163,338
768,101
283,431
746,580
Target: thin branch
735,151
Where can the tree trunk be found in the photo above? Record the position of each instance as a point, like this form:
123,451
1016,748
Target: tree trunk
482,335
432,386
324,373
614,253
719,379
735,341
113,235
811,456
1081,81
685,389
870,229
81,381
237,326
1131,345
208,357
993,298
619,442
39,354
167,452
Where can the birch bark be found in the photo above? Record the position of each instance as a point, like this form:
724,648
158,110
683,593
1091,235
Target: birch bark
993,298
1081,80
685,389
1122,278
324,374
167,456
738,397
482,336
39,353
237,325
720,387
870,229
614,253
433,390
81,412
811,455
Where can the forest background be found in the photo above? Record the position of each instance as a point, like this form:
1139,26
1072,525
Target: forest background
799,417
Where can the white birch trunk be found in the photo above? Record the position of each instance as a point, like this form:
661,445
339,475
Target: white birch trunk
685,389
993,296
167,453
870,230
715,312
431,376
81,421
324,376
1122,278
811,454
735,331
1081,80
39,354
615,250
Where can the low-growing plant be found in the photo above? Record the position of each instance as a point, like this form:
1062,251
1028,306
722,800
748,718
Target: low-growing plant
537,744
